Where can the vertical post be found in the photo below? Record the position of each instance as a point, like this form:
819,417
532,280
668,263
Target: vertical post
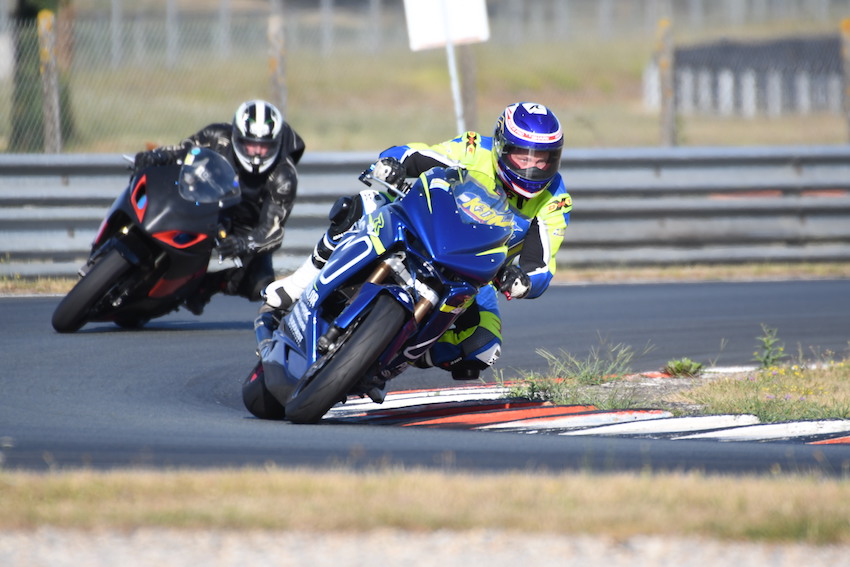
326,9
223,43
49,82
686,96
605,18
665,71
705,91
115,31
749,93
468,88
726,92
450,54
845,56
171,31
277,55
774,100
563,17
374,34
803,89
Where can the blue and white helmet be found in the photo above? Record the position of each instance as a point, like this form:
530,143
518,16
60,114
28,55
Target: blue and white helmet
257,127
527,144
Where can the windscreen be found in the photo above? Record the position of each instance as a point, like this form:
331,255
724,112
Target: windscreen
206,177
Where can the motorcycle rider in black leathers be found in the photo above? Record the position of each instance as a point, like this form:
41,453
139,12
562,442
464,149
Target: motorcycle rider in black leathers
264,150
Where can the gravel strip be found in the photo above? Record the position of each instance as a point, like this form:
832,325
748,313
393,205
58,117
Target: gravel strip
51,547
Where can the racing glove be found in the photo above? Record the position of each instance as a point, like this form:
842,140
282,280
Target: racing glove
159,156
389,170
513,282
235,246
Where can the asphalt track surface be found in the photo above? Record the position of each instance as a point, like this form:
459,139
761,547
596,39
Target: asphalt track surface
169,395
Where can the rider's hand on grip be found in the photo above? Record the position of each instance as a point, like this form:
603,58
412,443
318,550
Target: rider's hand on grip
232,247
513,282
142,161
150,158
389,170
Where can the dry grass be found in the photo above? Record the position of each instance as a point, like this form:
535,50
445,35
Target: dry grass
792,508
344,102
16,285
706,272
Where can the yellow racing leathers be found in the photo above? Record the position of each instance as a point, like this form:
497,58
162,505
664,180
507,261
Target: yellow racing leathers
539,226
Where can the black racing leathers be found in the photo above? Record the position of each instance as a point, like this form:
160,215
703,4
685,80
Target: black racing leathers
267,200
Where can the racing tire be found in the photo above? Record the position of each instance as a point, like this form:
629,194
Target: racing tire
132,323
348,364
75,308
257,398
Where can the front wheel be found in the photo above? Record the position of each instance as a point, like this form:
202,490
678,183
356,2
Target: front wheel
75,309
349,362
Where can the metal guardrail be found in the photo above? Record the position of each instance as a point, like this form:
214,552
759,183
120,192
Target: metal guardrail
642,206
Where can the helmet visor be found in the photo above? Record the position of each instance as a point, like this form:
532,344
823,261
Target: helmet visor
532,164
252,147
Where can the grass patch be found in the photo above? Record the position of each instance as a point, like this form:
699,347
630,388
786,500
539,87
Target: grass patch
780,393
798,508
683,367
18,285
815,389
598,380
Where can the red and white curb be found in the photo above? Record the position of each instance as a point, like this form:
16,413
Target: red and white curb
488,408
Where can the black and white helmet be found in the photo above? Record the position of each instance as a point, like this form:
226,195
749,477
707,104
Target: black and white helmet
257,134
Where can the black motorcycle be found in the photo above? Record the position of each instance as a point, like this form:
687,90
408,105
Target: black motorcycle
154,246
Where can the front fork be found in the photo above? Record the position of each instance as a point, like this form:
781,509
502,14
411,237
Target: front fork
391,266
428,298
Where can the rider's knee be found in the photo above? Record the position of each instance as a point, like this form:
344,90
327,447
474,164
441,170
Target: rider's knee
344,213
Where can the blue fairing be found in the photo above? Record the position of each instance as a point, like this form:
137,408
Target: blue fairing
449,232
462,227
458,227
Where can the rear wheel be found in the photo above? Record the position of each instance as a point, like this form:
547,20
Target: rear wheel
76,308
351,360
257,398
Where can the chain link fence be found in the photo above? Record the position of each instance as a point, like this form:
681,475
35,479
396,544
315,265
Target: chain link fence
131,74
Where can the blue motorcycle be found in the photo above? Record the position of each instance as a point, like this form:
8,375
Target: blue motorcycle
388,292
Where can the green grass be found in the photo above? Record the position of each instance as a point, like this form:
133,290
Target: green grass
684,367
806,389
781,393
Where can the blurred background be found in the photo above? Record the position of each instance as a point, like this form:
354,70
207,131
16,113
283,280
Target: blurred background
111,76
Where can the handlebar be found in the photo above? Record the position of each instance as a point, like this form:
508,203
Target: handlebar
398,191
